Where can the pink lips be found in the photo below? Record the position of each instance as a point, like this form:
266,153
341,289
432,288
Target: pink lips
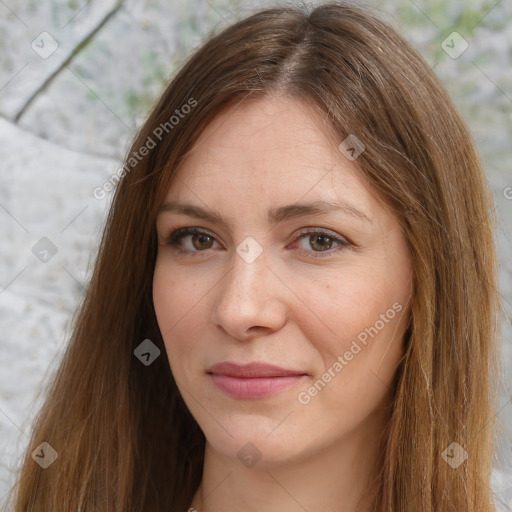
253,380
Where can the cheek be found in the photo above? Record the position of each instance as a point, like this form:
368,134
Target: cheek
173,296
177,303
341,306
163,298
362,321
172,308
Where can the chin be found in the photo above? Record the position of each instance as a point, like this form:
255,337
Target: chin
255,442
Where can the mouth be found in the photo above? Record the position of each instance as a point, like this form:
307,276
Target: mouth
253,380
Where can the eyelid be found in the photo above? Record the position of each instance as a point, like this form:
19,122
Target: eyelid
332,234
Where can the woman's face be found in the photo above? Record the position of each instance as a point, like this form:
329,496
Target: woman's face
296,264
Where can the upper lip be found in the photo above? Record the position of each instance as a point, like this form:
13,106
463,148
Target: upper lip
251,370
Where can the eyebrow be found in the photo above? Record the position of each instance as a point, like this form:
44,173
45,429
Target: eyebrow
274,216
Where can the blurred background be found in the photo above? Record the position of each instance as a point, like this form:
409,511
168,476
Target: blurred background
78,77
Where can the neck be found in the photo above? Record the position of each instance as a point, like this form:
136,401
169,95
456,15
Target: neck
340,478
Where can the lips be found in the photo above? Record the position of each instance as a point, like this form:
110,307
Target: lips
251,370
253,380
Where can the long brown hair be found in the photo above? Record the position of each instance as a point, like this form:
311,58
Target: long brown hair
124,437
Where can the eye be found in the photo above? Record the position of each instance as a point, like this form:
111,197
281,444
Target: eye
200,240
319,239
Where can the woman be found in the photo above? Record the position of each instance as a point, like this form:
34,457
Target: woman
218,361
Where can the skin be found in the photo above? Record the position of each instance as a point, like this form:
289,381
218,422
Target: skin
289,307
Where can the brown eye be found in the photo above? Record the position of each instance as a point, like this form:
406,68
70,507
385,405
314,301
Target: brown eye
200,240
322,241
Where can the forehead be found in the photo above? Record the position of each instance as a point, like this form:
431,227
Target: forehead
275,147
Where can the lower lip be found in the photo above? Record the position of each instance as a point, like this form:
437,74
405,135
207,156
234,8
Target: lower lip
257,387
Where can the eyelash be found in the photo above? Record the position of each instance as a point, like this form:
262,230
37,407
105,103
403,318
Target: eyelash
175,238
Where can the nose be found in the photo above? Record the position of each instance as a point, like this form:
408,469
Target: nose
251,299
